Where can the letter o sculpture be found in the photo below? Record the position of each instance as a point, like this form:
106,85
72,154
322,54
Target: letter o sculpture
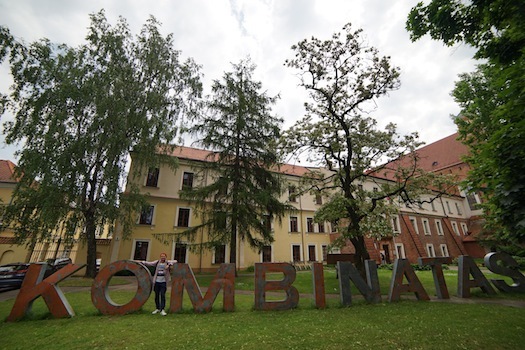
100,294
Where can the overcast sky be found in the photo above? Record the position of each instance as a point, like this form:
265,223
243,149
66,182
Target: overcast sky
216,33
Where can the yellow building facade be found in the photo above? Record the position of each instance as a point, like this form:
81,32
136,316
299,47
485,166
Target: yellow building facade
297,237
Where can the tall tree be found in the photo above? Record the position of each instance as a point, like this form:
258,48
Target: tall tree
242,132
79,112
492,100
343,77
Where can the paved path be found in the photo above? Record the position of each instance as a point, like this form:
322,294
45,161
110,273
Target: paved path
519,303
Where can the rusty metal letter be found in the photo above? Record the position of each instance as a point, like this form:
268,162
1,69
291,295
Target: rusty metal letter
100,294
262,286
403,268
318,281
182,276
466,267
370,289
509,269
437,271
33,286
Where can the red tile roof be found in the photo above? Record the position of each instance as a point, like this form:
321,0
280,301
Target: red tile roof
7,170
190,153
442,154
434,157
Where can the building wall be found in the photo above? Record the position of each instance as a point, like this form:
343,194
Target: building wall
161,235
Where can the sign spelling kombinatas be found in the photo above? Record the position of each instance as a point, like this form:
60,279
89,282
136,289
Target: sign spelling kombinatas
469,276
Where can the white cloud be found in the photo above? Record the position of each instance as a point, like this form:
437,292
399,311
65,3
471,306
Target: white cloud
216,33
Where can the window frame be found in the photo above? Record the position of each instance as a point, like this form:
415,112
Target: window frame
439,227
152,208
134,248
414,223
444,252
292,246
294,224
155,182
191,179
178,218
426,227
431,252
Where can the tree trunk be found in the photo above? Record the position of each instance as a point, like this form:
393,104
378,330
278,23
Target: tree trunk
361,254
91,268
233,245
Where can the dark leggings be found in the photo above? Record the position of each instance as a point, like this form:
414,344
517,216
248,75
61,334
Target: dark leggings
160,295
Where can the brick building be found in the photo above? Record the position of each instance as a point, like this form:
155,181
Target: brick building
444,227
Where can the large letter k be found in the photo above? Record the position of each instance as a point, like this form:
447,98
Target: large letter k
33,287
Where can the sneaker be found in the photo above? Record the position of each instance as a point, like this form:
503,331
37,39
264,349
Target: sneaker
156,311
163,313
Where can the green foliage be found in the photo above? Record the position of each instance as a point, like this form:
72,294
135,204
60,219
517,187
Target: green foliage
79,112
491,121
495,27
343,76
243,194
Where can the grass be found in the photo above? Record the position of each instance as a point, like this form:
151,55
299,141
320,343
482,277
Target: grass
407,324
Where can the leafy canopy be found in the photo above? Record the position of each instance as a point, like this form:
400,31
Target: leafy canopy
79,112
492,101
243,195
344,76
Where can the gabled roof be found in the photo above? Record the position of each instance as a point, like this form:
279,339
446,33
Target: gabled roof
190,153
7,171
442,154
435,157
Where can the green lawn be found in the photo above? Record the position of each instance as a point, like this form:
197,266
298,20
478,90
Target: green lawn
403,325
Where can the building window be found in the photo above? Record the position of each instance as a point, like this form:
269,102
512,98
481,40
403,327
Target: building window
320,227
294,227
267,222
318,199
152,179
267,253
309,224
473,201
296,252
146,216
140,250
433,206
455,227
464,228
180,252
223,189
426,227
395,224
439,227
448,207
444,250
187,180
458,209
324,249
220,220
292,194
430,250
219,254
400,251
311,253
183,219
413,221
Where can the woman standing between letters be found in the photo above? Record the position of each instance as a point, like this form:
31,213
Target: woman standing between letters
161,278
